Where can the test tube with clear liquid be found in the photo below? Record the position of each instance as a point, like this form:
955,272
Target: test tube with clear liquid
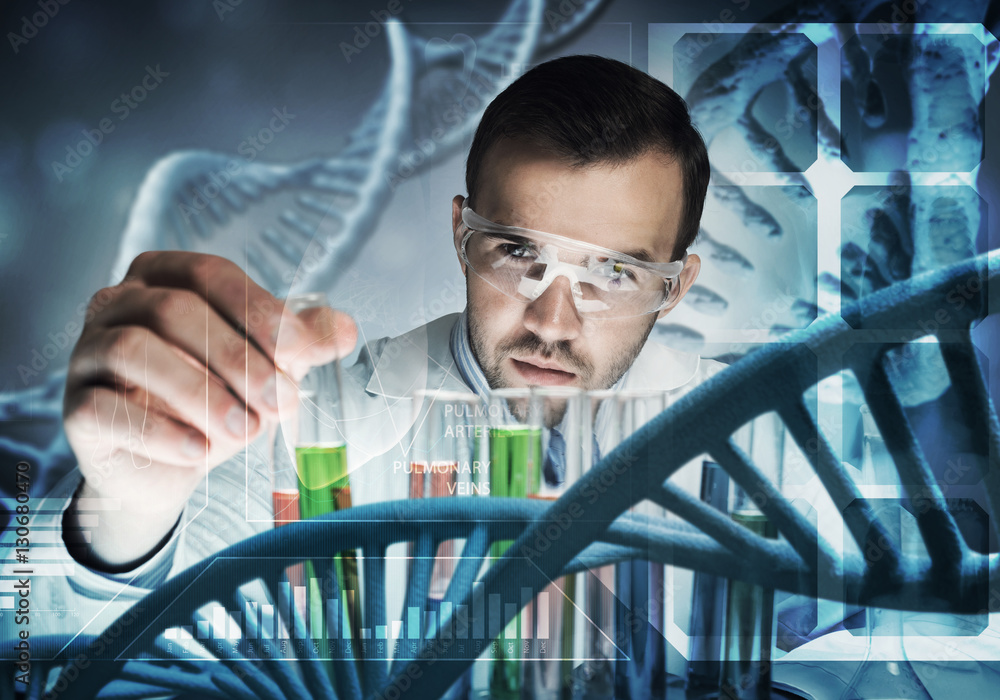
886,668
749,616
549,621
639,585
595,676
442,464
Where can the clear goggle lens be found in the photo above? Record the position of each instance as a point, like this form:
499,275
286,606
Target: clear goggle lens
605,284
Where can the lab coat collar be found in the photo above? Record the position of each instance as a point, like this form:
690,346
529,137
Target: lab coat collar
418,359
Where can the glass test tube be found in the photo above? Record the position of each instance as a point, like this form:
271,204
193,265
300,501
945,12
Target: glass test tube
285,503
549,618
708,600
284,480
441,463
889,670
515,451
595,677
749,625
640,586
284,477
316,431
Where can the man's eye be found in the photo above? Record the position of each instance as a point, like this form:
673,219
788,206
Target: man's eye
618,270
516,250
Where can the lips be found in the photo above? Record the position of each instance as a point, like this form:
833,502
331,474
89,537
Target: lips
539,372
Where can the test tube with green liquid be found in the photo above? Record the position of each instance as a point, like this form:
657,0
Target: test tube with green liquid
323,479
324,487
749,627
515,467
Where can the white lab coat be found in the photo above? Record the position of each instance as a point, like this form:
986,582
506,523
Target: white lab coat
233,502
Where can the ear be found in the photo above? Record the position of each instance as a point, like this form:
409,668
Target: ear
687,278
457,227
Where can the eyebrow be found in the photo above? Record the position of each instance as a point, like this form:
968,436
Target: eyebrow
504,222
512,237
640,254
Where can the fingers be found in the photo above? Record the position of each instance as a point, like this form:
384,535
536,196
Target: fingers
184,320
331,334
130,429
188,359
249,309
131,451
313,338
131,359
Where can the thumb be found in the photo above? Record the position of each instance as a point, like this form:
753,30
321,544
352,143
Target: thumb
329,334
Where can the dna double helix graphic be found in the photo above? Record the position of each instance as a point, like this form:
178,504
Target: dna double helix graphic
883,185
294,226
299,224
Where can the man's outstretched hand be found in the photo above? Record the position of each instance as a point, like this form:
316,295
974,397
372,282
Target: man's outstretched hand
177,369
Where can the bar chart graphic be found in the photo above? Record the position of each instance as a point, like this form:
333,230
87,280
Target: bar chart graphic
266,629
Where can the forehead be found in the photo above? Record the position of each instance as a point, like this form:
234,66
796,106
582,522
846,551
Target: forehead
630,207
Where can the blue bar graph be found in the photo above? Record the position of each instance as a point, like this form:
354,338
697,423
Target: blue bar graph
290,618
494,615
284,608
478,612
444,632
413,623
267,621
332,618
252,621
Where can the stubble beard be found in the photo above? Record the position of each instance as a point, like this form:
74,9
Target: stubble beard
528,343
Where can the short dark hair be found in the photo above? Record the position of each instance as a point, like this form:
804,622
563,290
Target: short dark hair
590,110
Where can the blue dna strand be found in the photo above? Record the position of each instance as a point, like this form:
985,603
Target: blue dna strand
293,226
897,152
298,224
904,207
874,563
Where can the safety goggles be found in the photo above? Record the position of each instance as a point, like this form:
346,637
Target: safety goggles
522,263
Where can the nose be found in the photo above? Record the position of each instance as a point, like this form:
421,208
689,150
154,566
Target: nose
553,315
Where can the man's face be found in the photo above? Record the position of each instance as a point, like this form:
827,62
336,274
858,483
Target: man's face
633,208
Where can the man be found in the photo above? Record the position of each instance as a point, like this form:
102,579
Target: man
585,182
